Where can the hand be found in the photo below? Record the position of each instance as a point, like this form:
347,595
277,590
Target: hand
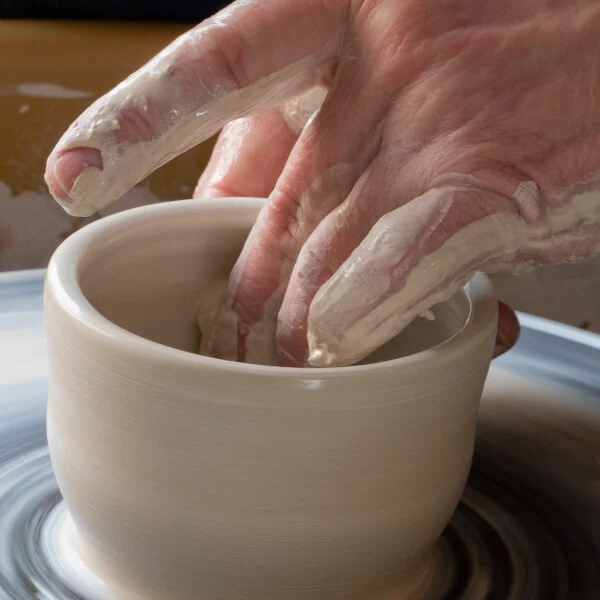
455,136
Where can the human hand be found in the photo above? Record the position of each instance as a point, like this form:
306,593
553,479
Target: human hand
455,137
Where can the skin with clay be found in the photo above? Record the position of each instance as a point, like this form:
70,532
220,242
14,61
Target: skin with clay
402,146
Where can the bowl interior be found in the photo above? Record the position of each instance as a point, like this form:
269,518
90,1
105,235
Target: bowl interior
146,270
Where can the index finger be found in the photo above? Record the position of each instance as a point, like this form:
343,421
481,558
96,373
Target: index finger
252,55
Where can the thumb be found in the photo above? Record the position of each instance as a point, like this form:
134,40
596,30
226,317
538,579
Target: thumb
414,257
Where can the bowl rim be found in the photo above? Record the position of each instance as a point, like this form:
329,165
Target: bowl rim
63,274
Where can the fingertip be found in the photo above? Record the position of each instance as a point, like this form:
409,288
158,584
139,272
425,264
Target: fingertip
63,169
319,358
509,329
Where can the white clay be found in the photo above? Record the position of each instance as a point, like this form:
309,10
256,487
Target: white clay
126,164
192,478
333,341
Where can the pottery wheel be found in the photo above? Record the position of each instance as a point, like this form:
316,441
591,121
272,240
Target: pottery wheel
527,528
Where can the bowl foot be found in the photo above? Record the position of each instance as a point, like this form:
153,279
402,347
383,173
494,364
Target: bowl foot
68,556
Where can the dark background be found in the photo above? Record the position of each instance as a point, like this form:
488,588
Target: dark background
138,10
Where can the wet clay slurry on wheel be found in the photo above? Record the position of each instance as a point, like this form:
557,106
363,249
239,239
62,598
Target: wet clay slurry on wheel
526,529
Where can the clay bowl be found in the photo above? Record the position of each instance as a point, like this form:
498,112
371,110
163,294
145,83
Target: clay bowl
191,477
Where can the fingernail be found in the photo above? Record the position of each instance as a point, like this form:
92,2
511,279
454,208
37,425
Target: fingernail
69,165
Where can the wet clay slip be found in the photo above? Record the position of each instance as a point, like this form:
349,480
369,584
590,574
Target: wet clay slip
187,477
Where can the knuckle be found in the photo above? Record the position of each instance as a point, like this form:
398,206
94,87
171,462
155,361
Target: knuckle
295,221
136,124
211,60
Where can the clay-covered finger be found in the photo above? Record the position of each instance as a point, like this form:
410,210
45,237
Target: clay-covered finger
332,242
414,257
251,56
250,153
332,152
379,191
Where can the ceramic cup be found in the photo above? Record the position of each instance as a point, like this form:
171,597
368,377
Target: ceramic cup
191,477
